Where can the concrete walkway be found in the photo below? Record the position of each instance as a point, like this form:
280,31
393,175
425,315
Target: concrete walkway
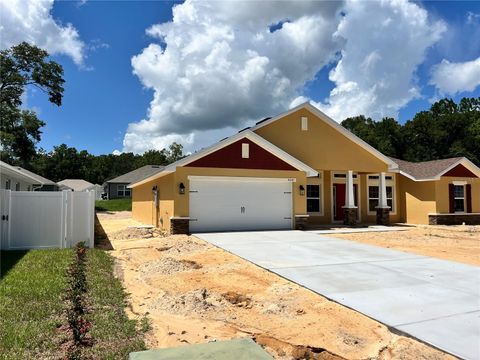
436,301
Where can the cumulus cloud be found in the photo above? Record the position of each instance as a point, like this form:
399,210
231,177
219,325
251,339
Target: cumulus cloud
452,78
386,41
31,21
219,65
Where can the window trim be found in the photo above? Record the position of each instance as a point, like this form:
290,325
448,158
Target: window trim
8,184
321,193
123,190
388,182
464,198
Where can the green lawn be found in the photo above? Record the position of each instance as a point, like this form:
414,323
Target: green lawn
114,205
32,306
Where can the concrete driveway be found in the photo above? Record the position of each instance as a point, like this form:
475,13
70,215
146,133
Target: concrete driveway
436,301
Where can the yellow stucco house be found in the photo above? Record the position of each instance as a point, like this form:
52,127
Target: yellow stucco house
300,168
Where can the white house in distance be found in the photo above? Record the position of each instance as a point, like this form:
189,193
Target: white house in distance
17,178
81,185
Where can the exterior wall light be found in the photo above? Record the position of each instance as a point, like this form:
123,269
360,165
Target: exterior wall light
302,190
181,189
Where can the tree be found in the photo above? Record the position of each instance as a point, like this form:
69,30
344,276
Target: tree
21,66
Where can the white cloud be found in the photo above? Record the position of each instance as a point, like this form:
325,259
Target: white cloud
116,152
472,18
385,43
216,65
222,66
31,21
452,78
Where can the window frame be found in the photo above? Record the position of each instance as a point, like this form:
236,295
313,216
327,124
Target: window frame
8,184
316,181
458,198
390,181
124,191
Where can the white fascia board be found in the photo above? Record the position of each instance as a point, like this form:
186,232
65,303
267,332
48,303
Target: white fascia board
465,162
391,164
221,144
6,168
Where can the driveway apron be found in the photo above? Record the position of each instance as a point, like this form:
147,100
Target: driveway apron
436,301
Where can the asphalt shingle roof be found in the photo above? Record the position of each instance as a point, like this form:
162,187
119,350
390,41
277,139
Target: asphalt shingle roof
40,179
425,169
137,175
76,184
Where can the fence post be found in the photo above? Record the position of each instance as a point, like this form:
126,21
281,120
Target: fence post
64,228
92,219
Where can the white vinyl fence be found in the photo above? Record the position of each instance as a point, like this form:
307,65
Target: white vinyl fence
33,220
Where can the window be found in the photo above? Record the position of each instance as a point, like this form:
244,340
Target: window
17,186
313,199
245,151
7,184
459,198
304,123
123,191
343,176
373,196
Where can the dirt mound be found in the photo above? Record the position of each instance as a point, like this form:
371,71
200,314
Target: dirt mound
167,266
136,233
193,302
182,246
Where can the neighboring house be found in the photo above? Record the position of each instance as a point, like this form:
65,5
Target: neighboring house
303,167
17,178
81,185
118,187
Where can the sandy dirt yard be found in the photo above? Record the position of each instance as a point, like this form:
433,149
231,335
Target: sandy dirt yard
457,243
194,292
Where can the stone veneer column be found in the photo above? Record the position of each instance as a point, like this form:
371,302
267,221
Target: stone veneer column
349,210
179,225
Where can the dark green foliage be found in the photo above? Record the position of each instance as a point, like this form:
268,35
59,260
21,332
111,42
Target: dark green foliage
446,130
21,66
65,162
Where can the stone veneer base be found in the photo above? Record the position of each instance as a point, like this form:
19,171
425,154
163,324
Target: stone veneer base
179,226
453,219
350,216
383,216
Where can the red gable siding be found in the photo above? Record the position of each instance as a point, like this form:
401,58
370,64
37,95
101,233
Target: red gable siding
460,171
231,157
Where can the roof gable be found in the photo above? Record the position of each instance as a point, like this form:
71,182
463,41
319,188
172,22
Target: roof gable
434,169
247,134
460,171
230,156
324,144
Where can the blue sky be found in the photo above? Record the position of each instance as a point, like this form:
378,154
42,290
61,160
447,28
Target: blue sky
103,95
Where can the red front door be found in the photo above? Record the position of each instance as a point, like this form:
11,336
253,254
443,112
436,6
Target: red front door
339,200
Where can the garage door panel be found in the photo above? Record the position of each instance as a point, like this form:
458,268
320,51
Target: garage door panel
225,205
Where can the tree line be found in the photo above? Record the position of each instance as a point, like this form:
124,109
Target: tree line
446,130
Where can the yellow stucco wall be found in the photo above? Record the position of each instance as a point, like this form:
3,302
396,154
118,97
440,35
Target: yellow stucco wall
143,207
321,146
419,200
442,193
182,173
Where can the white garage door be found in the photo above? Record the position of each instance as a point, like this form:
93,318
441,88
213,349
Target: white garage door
229,204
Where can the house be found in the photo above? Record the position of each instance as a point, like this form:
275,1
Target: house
118,187
17,178
81,185
300,168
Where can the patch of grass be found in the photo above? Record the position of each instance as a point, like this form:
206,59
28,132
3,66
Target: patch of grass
115,336
31,302
114,205
33,306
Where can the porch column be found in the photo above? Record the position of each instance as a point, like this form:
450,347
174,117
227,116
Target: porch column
383,210
349,210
